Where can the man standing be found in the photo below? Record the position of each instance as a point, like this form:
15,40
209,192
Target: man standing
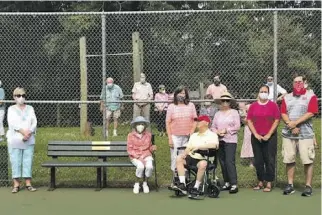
2,111
142,91
297,110
216,89
280,90
111,93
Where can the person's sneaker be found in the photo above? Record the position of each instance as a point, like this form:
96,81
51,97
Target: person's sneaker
307,191
226,186
1,139
145,187
106,133
288,189
114,133
180,187
233,189
195,193
136,188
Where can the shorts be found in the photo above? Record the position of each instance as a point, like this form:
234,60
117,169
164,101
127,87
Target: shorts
116,114
304,147
190,161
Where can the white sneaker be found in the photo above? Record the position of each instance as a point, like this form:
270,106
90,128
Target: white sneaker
114,133
1,139
136,188
106,133
145,187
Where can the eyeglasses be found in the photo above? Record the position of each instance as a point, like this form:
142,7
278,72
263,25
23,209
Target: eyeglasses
263,92
19,95
225,100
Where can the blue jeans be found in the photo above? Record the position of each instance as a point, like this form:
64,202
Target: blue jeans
21,157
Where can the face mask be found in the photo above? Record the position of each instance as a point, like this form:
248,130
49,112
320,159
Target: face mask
263,96
207,103
140,128
162,91
298,89
110,86
217,82
142,80
20,100
269,83
180,98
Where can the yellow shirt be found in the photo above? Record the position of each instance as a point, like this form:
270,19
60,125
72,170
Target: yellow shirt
198,139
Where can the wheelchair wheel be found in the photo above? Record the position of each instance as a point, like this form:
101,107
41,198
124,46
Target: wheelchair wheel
190,185
213,191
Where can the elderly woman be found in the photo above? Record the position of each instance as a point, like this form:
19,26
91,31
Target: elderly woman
22,123
180,122
226,124
140,148
161,109
263,118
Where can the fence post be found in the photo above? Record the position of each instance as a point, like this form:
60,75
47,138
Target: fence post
201,90
275,27
141,54
83,68
136,56
104,69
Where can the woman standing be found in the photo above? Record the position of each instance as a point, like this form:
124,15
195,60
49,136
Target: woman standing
161,109
226,124
22,123
263,118
180,122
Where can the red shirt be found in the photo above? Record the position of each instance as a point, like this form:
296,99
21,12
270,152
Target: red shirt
263,116
312,108
139,147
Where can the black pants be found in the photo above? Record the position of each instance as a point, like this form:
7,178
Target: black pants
226,154
264,157
160,120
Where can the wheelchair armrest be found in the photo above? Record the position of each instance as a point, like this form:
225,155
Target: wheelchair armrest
181,148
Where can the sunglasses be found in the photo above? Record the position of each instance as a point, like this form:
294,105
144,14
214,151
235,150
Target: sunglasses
19,95
225,100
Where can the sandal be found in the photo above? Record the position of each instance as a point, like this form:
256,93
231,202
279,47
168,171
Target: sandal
259,187
267,189
15,190
31,188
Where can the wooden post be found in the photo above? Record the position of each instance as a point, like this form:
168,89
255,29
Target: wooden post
141,55
58,115
201,90
136,56
83,70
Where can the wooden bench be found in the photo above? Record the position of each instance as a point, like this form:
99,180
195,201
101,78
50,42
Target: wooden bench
102,150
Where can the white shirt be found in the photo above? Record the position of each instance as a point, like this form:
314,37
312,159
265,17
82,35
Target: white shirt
280,90
21,119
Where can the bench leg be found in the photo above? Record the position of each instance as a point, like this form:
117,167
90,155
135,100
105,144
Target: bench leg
99,179
52,179
104,174
155,174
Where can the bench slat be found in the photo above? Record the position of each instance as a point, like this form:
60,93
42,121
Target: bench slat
88,143
86,148
54,163
88,153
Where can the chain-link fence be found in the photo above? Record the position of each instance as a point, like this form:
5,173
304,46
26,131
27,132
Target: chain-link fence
62,58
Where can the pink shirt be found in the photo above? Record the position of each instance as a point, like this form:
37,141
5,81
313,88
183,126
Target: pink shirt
181,118
216,91
263,116
139,147
161,97
229,120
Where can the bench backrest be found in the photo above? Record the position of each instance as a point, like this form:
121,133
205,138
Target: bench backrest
88,148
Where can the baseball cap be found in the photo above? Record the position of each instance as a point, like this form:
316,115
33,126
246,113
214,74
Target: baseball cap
203,118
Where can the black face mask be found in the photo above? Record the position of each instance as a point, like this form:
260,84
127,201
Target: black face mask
180,98
217,83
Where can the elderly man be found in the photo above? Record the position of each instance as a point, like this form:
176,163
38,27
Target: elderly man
142,91
200,141
109,98
280,90
217,88
297,110
2,111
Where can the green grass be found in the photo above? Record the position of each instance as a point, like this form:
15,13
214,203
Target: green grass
125,176
124,202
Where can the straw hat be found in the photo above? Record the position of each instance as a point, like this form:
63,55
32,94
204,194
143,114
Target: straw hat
139,119
226,96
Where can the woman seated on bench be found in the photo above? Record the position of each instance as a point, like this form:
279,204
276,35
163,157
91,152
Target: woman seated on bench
140,148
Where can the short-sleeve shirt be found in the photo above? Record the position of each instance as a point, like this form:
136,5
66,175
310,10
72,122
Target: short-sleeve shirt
114,95
181,118
2,97
216,91
197,139
263,116
280,90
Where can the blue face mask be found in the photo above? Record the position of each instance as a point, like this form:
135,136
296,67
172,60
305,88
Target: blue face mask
110,86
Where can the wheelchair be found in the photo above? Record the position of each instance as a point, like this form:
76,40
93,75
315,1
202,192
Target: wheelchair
210,186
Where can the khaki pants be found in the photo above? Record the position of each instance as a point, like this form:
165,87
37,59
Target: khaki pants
304,147
141,111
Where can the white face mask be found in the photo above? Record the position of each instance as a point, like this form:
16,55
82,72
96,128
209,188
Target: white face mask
140,128
20,100
263,96
207,103
269,83
142,80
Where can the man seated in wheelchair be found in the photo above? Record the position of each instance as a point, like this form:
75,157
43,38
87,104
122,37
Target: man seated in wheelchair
195,154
